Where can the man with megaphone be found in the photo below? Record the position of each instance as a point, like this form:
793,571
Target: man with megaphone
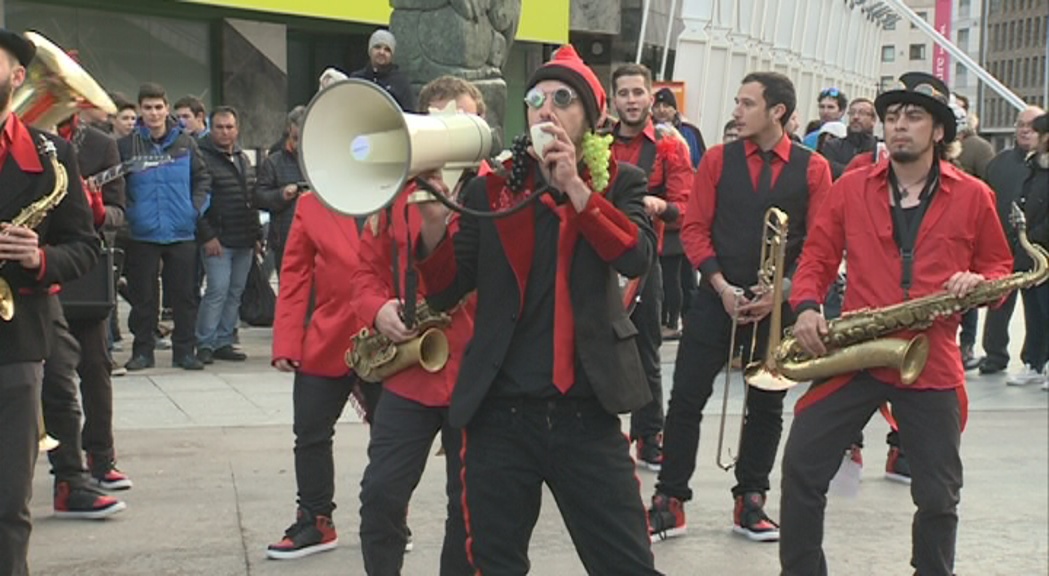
413,407
553,359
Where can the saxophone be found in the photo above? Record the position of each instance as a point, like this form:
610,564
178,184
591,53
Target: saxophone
375,357
860,340
33,216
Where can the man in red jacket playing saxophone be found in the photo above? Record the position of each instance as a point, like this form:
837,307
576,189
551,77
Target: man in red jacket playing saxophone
913,226
414,403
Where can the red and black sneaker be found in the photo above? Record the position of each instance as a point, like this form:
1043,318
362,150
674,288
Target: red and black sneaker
105,474
750,520
897,468
666,518
856,454
308,535
650,452
84,502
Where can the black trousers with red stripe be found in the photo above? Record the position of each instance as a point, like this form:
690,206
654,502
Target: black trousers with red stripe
514,446
930,424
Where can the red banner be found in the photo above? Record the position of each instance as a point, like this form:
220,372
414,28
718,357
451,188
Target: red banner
941,61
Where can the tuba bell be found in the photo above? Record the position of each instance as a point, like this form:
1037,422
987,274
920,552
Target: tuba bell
56,87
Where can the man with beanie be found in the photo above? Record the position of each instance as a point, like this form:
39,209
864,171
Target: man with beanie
382,71
913,226
664,110
723,234
553,358
666,163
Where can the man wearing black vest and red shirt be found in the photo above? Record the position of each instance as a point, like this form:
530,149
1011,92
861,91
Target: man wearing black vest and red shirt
553,359
666,162
722,233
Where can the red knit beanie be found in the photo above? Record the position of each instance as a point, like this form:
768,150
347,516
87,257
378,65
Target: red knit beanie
566,66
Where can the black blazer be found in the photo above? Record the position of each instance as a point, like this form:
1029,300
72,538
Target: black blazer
604,334
70,246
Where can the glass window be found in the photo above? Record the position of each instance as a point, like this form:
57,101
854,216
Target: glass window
923,16
890,25
887,82
888,53
961,75
963,39
964,7
122,51
917,51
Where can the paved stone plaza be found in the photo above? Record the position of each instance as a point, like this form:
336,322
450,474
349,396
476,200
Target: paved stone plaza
210,455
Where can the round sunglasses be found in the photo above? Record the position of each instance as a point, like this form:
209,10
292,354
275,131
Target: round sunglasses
562,97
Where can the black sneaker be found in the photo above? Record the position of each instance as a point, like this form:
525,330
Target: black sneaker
896,467
188,362
969,359
988,366
206,356
83,502
650,452
140,363
751,521
308,535
666,518
229,353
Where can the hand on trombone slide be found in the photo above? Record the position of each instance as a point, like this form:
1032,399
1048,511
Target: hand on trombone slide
747,310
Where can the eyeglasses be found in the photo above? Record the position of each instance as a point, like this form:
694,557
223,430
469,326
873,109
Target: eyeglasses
562,97
1024,125
830,93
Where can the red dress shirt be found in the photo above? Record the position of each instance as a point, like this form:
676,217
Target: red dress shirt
960,232
699,220
373,285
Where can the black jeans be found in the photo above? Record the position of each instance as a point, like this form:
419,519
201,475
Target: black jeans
996,333
79,349
1036,322
318,404
19,430
513,446
180,263
702,354
401,440
647,421
969,320
689,285
929,431
673,292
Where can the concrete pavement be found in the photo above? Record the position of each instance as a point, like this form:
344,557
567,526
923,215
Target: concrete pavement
210,455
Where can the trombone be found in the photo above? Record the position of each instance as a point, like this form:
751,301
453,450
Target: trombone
770,280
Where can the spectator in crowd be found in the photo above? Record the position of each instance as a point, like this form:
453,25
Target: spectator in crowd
228,234
279,185
1005,175
665,110
832,103
730,133
1034,201
830,132
124,121
792,127
976,152
859,138
191,112
163,206
382,71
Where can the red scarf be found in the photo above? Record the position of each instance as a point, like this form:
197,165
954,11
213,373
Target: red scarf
517,233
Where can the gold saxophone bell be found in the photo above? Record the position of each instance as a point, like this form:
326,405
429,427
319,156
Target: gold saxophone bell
429,351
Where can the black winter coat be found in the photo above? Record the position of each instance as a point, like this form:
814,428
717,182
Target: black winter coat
393,81
277,171
231,216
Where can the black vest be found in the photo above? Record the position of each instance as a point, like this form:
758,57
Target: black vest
740,215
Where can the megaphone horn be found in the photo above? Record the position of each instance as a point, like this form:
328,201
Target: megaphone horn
358,149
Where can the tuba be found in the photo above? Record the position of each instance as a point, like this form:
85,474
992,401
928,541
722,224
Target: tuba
56,87
861,340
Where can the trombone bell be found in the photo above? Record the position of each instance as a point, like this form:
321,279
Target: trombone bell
56,87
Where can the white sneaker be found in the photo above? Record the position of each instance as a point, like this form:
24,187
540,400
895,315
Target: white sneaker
1026,377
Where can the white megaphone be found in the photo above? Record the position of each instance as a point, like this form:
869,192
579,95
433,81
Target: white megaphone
358,149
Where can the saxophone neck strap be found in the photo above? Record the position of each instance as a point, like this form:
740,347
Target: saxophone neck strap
905,231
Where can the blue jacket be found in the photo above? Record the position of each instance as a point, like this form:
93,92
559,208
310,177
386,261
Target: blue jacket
165,202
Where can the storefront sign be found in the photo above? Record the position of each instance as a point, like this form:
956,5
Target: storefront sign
541,20
941,61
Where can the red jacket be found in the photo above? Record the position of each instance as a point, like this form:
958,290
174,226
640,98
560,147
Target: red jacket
672,167
373,285
959,233
319,257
